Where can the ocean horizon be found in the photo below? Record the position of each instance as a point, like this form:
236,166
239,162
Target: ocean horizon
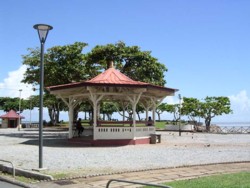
232,124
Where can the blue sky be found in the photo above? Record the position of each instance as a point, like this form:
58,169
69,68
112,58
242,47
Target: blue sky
204,44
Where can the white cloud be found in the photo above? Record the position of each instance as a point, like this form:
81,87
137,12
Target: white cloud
240,101
240,104
12,84
170,100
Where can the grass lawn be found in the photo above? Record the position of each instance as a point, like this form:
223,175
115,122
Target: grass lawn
236,180
159,125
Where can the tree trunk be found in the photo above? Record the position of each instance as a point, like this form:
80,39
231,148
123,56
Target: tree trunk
109,117
54,115
75,115
159,116
138,115
57,115
207,123
50,111
85,115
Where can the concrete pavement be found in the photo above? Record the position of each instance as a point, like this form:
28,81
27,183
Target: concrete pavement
148,176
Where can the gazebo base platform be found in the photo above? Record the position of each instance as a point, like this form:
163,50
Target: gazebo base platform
86,141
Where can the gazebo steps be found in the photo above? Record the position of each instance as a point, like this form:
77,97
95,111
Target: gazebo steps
112,142
81,141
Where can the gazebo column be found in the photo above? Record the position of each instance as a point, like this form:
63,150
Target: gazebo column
95,98
153,113
71,102
98,111
155,103
71,115
134,100
147,105
124,106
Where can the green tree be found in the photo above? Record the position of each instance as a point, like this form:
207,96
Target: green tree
7,104
212,107
62,64
65,64
174,109
107,109
54,106
208,109
191,108
160,109
130,60
85,107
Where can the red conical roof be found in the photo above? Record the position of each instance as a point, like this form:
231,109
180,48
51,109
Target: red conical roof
113,76
11,114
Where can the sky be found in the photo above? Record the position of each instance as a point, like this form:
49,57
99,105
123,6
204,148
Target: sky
204,44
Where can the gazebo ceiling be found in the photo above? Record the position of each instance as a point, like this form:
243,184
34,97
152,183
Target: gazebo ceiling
113,85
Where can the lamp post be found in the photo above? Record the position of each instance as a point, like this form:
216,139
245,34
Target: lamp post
43,31
34,89
180,115
19,121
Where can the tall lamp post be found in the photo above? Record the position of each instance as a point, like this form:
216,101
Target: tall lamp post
34,89
180,115
19,123
43,31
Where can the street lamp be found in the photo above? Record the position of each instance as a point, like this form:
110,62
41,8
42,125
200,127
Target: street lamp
43,31
19,123
180,115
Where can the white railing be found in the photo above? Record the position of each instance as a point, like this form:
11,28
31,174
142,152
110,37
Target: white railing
13,167
109,133
144,131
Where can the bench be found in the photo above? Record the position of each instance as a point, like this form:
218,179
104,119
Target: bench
155,138
88,130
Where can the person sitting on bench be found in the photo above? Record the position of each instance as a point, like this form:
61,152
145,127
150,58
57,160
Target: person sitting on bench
79,127
150,122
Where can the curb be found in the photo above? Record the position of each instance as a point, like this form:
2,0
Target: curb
142,170
15,182
26,173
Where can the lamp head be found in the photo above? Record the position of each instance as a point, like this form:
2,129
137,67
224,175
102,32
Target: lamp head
179,96
43,30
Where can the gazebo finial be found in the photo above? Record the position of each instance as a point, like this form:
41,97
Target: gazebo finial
111,64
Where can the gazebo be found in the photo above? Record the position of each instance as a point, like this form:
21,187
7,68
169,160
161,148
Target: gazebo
11,119
112,85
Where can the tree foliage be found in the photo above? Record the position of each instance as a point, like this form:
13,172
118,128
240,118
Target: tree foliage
7,104
130,60
160,109
214,106
65,64
175,110
62,64
209,108
191,108
107,109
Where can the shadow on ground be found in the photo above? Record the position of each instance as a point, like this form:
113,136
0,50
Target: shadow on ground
53,142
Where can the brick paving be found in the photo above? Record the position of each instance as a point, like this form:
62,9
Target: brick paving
149,176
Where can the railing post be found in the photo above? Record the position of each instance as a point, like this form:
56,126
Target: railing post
13,167
133,182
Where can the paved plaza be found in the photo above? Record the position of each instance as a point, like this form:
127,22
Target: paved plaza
151,163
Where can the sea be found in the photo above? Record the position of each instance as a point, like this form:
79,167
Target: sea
233,127
232,124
